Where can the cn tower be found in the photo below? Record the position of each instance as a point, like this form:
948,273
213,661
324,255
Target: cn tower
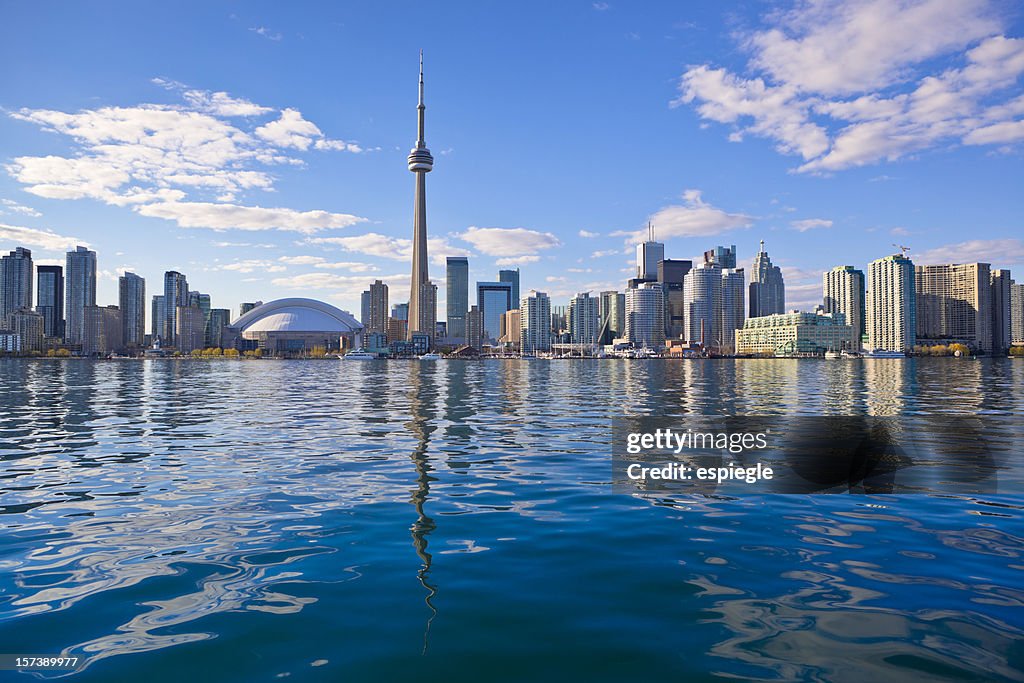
422,297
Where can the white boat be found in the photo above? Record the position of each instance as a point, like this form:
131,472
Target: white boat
833,354
431,356
359,354
851,354
881,353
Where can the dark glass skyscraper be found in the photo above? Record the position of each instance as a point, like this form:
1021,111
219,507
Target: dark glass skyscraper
50,299
79,292
175,295
131,290
511,277
457,273
15,282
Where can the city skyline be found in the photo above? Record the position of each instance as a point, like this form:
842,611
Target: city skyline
75,168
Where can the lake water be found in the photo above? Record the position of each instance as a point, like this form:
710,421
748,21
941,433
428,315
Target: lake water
453,521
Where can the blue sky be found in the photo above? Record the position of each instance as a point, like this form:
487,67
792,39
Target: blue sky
260,147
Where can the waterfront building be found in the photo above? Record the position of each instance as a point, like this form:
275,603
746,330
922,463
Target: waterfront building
474,328
220,319
364,307
724,257
672,276
376,319
584,319
157,313
1016,313
559,320
891,304
767,287
422,294
15,282
103,331
79,292
175,297
457,293
794,334
733,311
648,254
1000,311
511,277
131,294
511,328
535,322
645,315
843,292
29,326
190,328
398,329
954,304
50,299
295,326
9,342
493,299
702,303
247,306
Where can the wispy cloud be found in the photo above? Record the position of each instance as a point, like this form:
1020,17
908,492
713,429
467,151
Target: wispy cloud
1009,251
508,242
810,224
693,218
11,206
266,33
43,239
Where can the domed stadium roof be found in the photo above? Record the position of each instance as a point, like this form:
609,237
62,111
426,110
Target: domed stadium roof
297,315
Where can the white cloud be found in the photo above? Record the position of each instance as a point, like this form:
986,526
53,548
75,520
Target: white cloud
9,206
845,84
234,217
43,239
998,252
509,241
694,218
588,234
301,260
516,260
251,266
384,246
266,33
347,286
292,130
811,224
605,252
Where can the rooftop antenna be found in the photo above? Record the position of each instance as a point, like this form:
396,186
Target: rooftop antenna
762,246
903,249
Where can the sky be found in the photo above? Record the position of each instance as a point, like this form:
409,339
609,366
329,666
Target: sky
260,147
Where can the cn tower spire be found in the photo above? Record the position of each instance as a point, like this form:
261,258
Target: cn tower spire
422,294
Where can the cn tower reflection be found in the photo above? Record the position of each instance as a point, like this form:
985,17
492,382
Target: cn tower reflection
422,399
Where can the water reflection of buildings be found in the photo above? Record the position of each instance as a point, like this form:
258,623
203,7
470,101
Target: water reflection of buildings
423,398
885,385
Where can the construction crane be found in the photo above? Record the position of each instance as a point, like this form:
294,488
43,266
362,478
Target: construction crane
903,249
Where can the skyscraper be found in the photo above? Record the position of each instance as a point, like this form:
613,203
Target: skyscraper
457,274
702,295
157,314
131,291
584,321
672,275
731,316
378,309
645,315
648,254
1000,311
15,283
219,319
50,299
492,299
843,292
767,288
175,297
79,292
954,303
422,313
725,257
891,304
1016,313
535,321
511,277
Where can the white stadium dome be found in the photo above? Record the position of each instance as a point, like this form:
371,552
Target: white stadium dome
292,325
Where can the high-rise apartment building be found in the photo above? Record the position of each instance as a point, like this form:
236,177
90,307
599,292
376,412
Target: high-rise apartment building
376,320
79,292
457,292
190,328
157,314
102,331
645,315
28,325
767,287
611,308
474,328
702,294
511,328
247,306
220,318
843,292
954,304
733,311
15,283
50,299
891,304
1001,311
131,291
1016,313
535,322
175,297
512,278
584,319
